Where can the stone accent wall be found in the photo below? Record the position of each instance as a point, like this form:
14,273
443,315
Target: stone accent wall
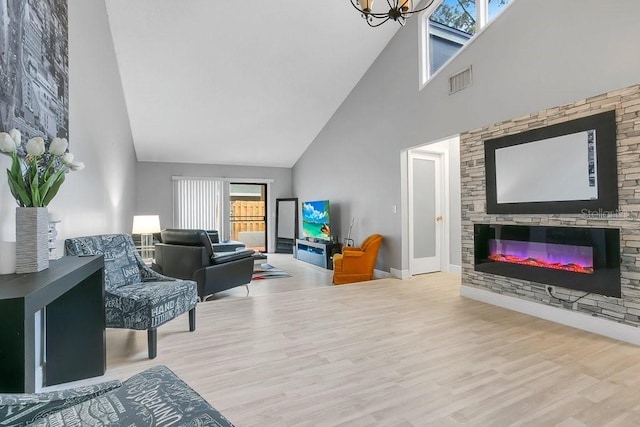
626,103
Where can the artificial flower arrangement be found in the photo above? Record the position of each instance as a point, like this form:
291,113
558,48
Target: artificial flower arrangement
36,174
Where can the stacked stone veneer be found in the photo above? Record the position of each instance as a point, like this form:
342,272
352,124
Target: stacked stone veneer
626,103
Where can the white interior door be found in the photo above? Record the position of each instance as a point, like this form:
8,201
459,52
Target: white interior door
426,207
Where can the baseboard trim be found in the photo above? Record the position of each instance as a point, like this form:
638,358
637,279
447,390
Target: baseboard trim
456,269
380,274
576,320
400,274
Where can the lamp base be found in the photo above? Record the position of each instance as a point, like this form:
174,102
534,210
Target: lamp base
147,250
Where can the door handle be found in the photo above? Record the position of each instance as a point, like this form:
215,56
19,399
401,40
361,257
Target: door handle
439,218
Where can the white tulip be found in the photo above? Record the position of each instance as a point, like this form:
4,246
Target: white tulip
7,144
58,146
76,166
35,146
67,158
16,136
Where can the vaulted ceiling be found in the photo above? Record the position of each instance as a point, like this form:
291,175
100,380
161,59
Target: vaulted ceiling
244,83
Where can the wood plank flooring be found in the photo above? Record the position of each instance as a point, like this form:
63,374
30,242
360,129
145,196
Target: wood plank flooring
300,352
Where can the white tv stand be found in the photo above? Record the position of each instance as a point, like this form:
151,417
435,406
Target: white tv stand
319,253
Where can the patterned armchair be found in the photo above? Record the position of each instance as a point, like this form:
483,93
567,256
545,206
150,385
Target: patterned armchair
136,297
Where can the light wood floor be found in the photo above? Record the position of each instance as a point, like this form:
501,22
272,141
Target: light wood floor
299,352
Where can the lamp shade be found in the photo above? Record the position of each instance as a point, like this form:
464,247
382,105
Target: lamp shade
146,224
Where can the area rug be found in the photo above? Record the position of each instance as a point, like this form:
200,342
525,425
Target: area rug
267,271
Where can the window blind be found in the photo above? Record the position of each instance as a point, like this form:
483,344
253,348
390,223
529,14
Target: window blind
198,203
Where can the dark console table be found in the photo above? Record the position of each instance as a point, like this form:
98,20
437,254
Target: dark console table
70,297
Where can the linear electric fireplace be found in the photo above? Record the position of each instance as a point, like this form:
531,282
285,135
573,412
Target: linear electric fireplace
585,259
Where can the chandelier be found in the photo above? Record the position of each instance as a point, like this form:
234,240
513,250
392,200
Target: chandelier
399,11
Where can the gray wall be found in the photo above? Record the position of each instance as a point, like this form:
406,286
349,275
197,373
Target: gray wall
154,189
538,54
98,199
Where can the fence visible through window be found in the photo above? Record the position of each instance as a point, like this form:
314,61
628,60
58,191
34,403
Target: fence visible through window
248,215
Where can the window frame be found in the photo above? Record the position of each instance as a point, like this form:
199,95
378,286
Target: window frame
424,64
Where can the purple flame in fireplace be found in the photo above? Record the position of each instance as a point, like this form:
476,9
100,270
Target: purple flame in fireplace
544,253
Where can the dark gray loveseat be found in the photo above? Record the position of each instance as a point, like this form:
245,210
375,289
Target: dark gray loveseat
189,255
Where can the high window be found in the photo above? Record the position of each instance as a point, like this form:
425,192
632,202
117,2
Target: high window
447,26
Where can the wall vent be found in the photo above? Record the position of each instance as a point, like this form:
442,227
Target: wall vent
461,80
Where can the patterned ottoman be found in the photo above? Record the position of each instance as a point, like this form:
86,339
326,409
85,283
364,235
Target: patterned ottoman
155,397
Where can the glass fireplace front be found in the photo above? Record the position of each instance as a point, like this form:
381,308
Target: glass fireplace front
586,259
578,259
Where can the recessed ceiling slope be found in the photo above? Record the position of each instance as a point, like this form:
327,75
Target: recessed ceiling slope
249,83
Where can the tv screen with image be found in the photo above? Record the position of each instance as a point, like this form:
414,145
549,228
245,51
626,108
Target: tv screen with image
315,220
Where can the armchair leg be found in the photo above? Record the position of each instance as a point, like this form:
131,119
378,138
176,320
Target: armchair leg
192,319
152,342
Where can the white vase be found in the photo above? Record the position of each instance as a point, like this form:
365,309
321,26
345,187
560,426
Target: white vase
32,240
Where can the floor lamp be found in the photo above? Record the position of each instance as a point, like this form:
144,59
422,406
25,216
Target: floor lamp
145,226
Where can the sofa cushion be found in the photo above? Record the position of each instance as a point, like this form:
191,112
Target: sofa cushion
24,408
149,304
214,236
155,397
228,246
186,237
223,257
179,261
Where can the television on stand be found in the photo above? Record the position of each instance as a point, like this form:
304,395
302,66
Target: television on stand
315,220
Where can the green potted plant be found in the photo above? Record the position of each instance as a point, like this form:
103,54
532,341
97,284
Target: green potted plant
35,176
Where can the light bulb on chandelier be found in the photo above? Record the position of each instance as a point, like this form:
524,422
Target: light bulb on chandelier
399,11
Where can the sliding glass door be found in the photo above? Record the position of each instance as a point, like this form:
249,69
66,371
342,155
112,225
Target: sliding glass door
249,214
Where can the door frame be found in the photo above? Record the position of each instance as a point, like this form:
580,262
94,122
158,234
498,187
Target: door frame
440,196
296,220
437,147
268,206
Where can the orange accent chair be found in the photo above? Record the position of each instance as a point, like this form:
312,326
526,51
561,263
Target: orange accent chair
356,264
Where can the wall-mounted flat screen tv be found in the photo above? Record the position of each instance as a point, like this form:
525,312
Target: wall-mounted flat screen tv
568,167
315,220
